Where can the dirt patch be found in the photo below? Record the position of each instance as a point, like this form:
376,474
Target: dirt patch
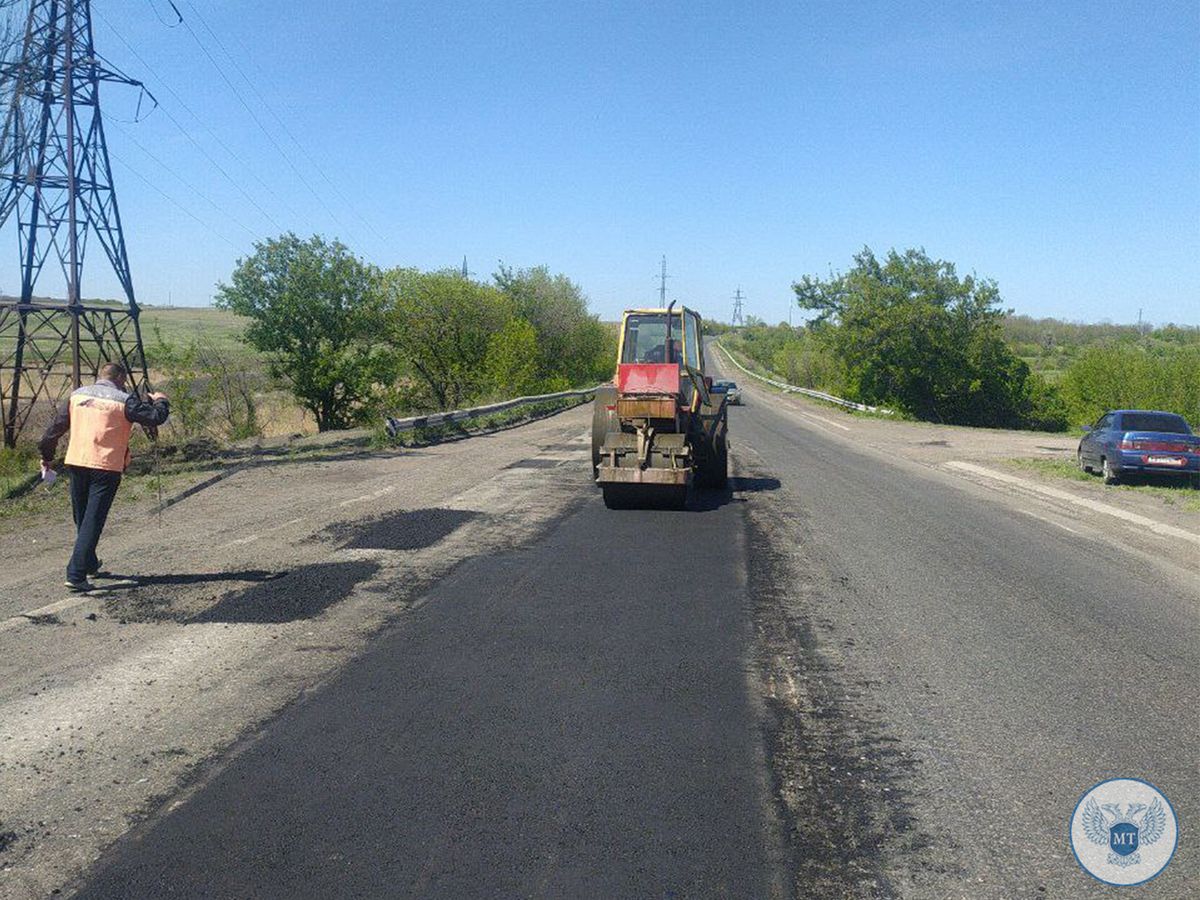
410,530
300,594
7,839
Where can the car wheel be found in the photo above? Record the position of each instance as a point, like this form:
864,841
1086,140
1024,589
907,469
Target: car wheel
1083,467
1111,475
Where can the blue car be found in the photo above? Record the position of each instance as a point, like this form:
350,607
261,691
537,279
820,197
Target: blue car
1140,442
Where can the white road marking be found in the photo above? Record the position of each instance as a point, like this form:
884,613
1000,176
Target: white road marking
1161,528
1049,521
811,423
374,495
809,415
254,537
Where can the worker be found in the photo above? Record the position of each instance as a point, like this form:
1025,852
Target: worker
100,419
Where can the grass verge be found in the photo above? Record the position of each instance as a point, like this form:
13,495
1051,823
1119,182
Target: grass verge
17,468
1176,493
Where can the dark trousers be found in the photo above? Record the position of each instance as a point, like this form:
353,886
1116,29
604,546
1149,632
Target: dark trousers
92,492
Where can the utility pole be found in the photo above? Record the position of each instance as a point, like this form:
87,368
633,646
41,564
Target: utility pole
662,283
737,309
56,176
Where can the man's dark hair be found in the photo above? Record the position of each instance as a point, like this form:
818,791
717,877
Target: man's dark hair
114,371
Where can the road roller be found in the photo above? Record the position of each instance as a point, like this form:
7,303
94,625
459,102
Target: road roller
659,429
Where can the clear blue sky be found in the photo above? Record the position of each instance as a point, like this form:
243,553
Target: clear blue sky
1052,146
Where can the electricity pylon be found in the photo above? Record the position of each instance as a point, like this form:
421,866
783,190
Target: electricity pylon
737,319
56,176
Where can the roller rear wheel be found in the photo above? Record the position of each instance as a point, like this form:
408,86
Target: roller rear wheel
603,421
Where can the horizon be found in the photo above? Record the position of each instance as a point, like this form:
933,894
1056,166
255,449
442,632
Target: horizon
1007,313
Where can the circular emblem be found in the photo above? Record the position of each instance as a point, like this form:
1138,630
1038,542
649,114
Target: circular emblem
1124,831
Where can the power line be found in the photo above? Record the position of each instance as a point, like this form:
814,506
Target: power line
192,188
216,137
282,124
257,121
221,169
187,212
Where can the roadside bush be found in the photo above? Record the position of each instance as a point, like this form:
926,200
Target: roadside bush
211,394
1047,409
181,378
1125,376
511,362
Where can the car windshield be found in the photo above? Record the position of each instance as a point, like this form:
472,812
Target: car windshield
1149,421
646,336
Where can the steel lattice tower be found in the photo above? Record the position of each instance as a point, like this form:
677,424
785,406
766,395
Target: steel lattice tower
737,309
56,176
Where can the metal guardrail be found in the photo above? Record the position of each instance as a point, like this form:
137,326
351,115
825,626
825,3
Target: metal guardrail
808,392
395,426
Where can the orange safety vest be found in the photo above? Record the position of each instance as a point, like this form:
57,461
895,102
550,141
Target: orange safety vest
99,430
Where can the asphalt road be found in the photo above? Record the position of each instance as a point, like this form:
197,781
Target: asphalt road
845,677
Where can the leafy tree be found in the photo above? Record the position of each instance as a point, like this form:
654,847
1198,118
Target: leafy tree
512,359
914,335
442,325
573,346
315,310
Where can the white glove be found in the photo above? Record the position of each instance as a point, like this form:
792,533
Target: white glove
49,476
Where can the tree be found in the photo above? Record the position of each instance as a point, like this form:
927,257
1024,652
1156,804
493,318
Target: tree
913,334
512,359
442,324
315,309
573,346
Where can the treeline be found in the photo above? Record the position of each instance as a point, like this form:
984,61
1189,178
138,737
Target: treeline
908,332
353,342
1133,376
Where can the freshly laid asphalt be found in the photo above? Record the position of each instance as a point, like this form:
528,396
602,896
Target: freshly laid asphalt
573,720
586,717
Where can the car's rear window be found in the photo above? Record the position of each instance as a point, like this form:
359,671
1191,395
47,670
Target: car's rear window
1167,422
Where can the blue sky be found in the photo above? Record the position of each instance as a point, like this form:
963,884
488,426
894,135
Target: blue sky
1052,146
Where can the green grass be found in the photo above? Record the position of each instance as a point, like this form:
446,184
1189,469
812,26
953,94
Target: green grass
1180,497
16,466
178,325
